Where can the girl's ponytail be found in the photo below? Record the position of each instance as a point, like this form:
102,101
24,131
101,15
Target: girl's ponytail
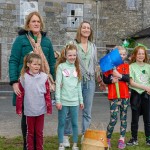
25,67
61,59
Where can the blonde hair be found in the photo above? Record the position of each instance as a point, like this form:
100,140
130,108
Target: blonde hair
57,54
134,54
78,35
121,48
29,59
62,58
28,19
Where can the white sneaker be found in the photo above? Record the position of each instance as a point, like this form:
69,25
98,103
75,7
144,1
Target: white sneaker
61,147
66,142
75,148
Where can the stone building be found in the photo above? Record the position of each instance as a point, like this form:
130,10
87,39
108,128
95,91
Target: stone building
112,21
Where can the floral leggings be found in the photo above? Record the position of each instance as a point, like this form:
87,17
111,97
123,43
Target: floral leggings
115,105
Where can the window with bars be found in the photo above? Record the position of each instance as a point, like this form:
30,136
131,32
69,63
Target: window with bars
131,4
27,6
74,15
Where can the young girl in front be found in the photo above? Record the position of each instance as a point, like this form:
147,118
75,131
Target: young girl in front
68,92
35,99
140,93
120,75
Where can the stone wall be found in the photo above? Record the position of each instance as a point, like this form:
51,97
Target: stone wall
8,13
117,22
56,20
146,13
110,19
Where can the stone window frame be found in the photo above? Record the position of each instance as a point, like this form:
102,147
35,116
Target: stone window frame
74,15
23,14
131,4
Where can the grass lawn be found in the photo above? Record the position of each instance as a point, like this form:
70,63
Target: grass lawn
51,143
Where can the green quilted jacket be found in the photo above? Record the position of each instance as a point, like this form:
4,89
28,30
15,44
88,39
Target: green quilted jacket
20,48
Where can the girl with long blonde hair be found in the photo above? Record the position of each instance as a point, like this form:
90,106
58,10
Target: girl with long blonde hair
68,92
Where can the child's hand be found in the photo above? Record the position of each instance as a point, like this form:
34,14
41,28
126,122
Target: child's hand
114,79
81,106
116,74
147,89
59,106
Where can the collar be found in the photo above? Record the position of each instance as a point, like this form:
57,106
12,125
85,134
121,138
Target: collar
23,32
29,73
70,64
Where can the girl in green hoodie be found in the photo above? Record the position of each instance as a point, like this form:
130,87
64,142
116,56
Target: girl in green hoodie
68,92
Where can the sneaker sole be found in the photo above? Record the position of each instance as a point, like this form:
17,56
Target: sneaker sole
122,147
66,145
132,144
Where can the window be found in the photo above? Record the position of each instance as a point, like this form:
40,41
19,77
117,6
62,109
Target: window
74,15
27,6
131,4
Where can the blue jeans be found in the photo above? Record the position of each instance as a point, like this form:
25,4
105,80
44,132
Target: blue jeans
88,89
73,120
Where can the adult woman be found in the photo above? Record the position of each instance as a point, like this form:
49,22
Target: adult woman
87,54
30,39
